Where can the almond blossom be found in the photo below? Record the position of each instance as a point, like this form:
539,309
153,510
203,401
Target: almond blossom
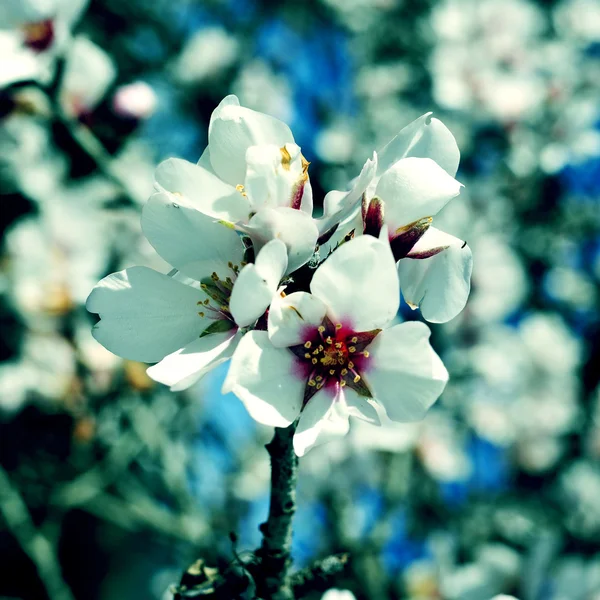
253,175
412,182
188,323
333,353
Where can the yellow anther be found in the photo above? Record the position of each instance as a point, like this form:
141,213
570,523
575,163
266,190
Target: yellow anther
354,339
338,345
316,351
307,355
321,348
239,187
314,361
338,326
351,349
350,365
201,314
328,340
307,344
320,385
344,372
206,302
312,382
332,371
286,158
365,353
356,378
342,382
320,329
319,378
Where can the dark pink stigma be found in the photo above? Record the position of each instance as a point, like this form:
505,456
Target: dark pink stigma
39,36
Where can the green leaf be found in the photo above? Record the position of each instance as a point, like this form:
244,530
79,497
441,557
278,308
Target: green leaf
219,326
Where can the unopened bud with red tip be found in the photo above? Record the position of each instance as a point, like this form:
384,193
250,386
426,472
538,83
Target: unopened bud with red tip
373,219
405,238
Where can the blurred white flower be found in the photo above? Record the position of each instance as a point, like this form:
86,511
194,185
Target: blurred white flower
135,100
207,53
335,594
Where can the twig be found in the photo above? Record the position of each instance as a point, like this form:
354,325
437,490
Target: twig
320,576
32,541
274,553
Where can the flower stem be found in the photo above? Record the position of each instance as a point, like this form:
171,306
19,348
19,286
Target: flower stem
276,546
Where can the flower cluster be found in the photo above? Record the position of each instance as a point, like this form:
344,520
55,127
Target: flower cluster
304,306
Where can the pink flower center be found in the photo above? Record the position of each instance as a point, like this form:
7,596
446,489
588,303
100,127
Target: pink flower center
332,356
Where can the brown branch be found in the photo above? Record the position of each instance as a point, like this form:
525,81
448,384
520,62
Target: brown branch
274,554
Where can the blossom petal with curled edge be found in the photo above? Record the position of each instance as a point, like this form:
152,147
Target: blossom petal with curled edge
189,240
202,189
405,374
426,137
358,283
257,284
294,228
233,129
145,315
438,279
263,378
414,188
323,419
185,367
338,206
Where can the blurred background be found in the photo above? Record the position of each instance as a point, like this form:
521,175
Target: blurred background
110,485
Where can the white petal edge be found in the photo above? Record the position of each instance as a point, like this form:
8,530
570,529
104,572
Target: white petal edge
291,317
323,419
233,129
194,243
257,284
294,228
204,190
414,188
338,206
185,367
359,284
266,380
145,315
426,137
438,285
405,374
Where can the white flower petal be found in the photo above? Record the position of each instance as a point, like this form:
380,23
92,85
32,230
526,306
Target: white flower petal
414,188
323,420
276,177
145,315
405,374
265,379
257,284
438,285
191,241
204,190
293,227
338,206
360,407
233,129
359,284
425,137
185,367
291,316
